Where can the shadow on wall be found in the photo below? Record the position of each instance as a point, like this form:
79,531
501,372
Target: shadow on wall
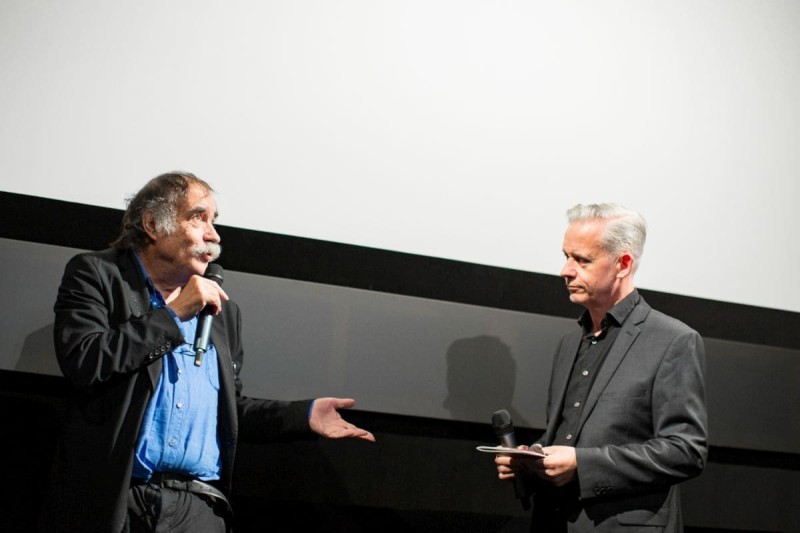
38,355
481,375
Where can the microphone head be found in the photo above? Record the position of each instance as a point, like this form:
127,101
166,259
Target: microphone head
501,422
214,273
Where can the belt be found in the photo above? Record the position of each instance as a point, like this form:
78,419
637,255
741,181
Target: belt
185,483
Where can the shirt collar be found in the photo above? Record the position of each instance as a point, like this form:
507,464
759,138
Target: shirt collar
615,316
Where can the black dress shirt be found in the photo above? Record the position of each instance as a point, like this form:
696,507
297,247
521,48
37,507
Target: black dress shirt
591,354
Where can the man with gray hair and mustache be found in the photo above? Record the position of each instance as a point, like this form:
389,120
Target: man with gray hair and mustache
626,413
149,436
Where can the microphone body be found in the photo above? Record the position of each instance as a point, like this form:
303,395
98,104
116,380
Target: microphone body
504,429
214,273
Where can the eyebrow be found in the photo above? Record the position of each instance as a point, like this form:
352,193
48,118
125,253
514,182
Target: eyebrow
200,210
577,256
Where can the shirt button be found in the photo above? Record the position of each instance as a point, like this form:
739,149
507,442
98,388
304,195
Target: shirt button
594,341
171,443
179,405
585,372
569,436
576,404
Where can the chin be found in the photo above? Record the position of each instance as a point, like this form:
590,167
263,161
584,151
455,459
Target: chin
577,298
199,265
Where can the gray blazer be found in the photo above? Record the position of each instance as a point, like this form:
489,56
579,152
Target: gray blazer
643,428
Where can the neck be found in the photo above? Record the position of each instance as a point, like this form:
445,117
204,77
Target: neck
599,312
161,273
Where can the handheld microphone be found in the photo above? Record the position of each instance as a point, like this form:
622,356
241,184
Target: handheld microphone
214,273
504,429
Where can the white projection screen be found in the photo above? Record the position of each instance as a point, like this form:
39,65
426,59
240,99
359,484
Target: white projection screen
447,128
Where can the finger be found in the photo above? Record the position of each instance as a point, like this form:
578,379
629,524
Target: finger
344,403
215,297
354,432
501,459
223,295
367,436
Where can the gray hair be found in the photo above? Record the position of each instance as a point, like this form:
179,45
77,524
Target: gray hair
626,229
160,197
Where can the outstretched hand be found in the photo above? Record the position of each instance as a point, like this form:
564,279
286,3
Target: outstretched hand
326,420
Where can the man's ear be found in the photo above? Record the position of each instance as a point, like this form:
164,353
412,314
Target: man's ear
625,265
149,225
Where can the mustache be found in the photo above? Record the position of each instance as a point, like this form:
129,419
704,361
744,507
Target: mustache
210,248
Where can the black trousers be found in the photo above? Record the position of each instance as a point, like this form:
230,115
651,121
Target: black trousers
155,509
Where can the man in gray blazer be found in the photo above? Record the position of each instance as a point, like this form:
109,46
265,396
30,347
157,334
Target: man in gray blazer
626,414
150,430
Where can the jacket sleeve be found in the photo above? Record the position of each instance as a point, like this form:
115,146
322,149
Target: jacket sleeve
96,334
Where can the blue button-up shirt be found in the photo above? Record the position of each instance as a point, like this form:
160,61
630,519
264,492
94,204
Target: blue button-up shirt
179,429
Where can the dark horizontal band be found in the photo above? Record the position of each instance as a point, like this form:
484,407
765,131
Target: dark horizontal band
48,221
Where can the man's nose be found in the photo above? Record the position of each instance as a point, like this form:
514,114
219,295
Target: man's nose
212,235
568,270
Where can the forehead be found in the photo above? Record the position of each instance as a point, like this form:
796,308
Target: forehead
198,197
584,236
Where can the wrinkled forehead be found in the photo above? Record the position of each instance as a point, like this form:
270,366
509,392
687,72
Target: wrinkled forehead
199,199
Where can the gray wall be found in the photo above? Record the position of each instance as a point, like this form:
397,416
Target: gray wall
411,356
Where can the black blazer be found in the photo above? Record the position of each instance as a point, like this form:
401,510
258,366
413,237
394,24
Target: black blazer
109,345
643,428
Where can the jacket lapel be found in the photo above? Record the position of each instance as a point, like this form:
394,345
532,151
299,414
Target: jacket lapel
138,301
564,361
138,297
219,336
627,335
